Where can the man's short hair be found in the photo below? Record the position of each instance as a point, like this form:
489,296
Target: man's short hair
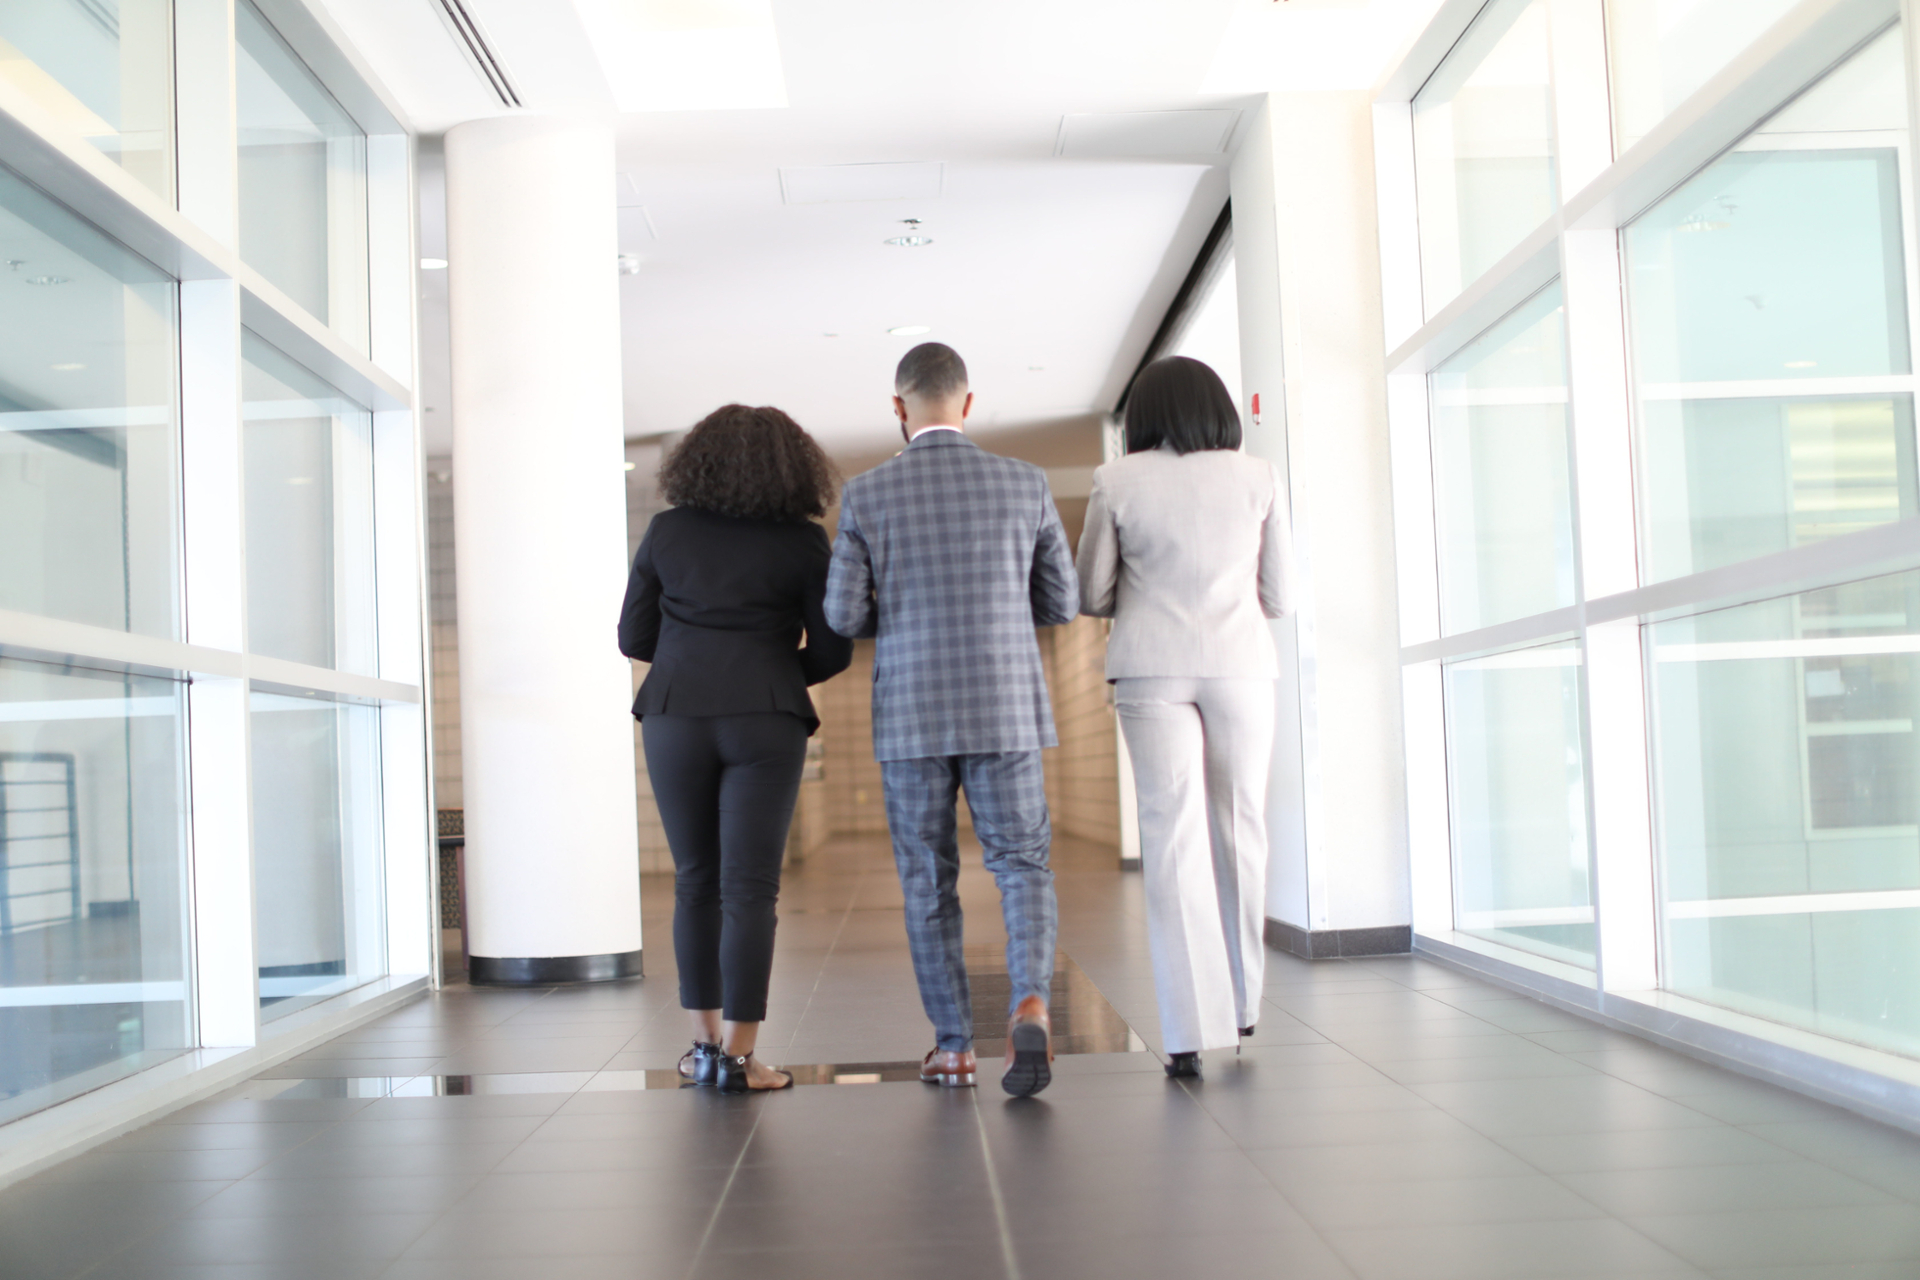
931,371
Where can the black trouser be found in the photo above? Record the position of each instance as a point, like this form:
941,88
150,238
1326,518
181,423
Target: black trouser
725,786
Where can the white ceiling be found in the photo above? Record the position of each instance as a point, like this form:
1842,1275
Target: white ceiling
1048,271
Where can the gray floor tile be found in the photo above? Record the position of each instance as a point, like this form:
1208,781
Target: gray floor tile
1470,1156
307,1197
616,1154
246,1111
383,1110
1777,1236
690,1187
321,1237
1576,1104
1393,1045
1246,1254
428,1131
1644,1149
194,1165
665,1234
619,1266
1365,1202
981,1259
219,1137
1840,1139
463,1160
1278,1127
1506,1251
135,1265
56,1247
334,1068
1722,1188
1901,1270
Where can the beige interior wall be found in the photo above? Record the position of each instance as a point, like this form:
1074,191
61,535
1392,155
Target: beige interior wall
1083,776
851,777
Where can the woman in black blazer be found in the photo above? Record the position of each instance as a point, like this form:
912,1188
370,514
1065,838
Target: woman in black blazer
723,588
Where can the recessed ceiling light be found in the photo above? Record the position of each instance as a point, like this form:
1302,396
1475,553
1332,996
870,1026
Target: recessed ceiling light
68,368
47,280
911,330
913,239
433,264
628,466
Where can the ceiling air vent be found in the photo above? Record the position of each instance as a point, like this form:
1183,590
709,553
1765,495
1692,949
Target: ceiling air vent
472,40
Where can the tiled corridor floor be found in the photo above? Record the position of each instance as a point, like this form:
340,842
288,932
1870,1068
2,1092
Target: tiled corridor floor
1392,1120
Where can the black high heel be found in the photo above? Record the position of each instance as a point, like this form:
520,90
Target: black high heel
1184,1066
705,1061
730,1075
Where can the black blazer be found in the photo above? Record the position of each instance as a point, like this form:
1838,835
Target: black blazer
718,605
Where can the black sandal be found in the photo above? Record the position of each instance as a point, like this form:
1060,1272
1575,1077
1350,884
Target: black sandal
699,1064
730,1075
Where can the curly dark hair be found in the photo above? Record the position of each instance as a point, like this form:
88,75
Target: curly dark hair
755,464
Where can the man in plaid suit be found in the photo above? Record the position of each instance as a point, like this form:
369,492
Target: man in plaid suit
950,556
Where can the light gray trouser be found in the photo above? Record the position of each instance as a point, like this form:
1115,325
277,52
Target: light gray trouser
1201,750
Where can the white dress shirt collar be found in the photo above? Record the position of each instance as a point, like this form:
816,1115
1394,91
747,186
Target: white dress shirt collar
936,427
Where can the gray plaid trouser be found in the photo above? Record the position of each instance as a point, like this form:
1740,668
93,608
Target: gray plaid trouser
1007,797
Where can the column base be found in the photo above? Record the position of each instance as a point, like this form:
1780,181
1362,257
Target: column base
544,971
1332,944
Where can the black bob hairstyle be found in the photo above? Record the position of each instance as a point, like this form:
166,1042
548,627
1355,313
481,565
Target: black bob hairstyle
1182,404
755,464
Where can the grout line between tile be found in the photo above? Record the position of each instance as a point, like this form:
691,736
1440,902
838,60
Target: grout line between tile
713,1220
1007,1251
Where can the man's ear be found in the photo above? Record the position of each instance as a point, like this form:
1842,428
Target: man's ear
900,410
966,408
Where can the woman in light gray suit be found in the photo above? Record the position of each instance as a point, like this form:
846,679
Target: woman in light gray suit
1187,549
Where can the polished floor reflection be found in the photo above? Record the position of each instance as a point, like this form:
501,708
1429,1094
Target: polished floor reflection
1391,1120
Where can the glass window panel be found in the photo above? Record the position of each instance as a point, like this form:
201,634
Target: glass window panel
1517,787
92,880
309,459
1771,343
303,181
1483,147
1502,496
88,477
1788,795
102,68
319,902
1665,50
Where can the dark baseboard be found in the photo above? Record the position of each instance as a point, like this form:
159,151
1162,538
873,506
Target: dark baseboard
542,971
1336,944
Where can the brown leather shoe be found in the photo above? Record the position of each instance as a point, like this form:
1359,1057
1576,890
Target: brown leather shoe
949,1068
1029,1049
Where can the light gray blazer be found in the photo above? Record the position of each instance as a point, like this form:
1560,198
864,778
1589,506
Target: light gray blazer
1189,554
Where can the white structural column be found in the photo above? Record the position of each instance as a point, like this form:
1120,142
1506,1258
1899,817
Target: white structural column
552,857
1308,272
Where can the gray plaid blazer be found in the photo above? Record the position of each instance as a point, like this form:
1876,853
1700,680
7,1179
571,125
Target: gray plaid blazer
950,556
